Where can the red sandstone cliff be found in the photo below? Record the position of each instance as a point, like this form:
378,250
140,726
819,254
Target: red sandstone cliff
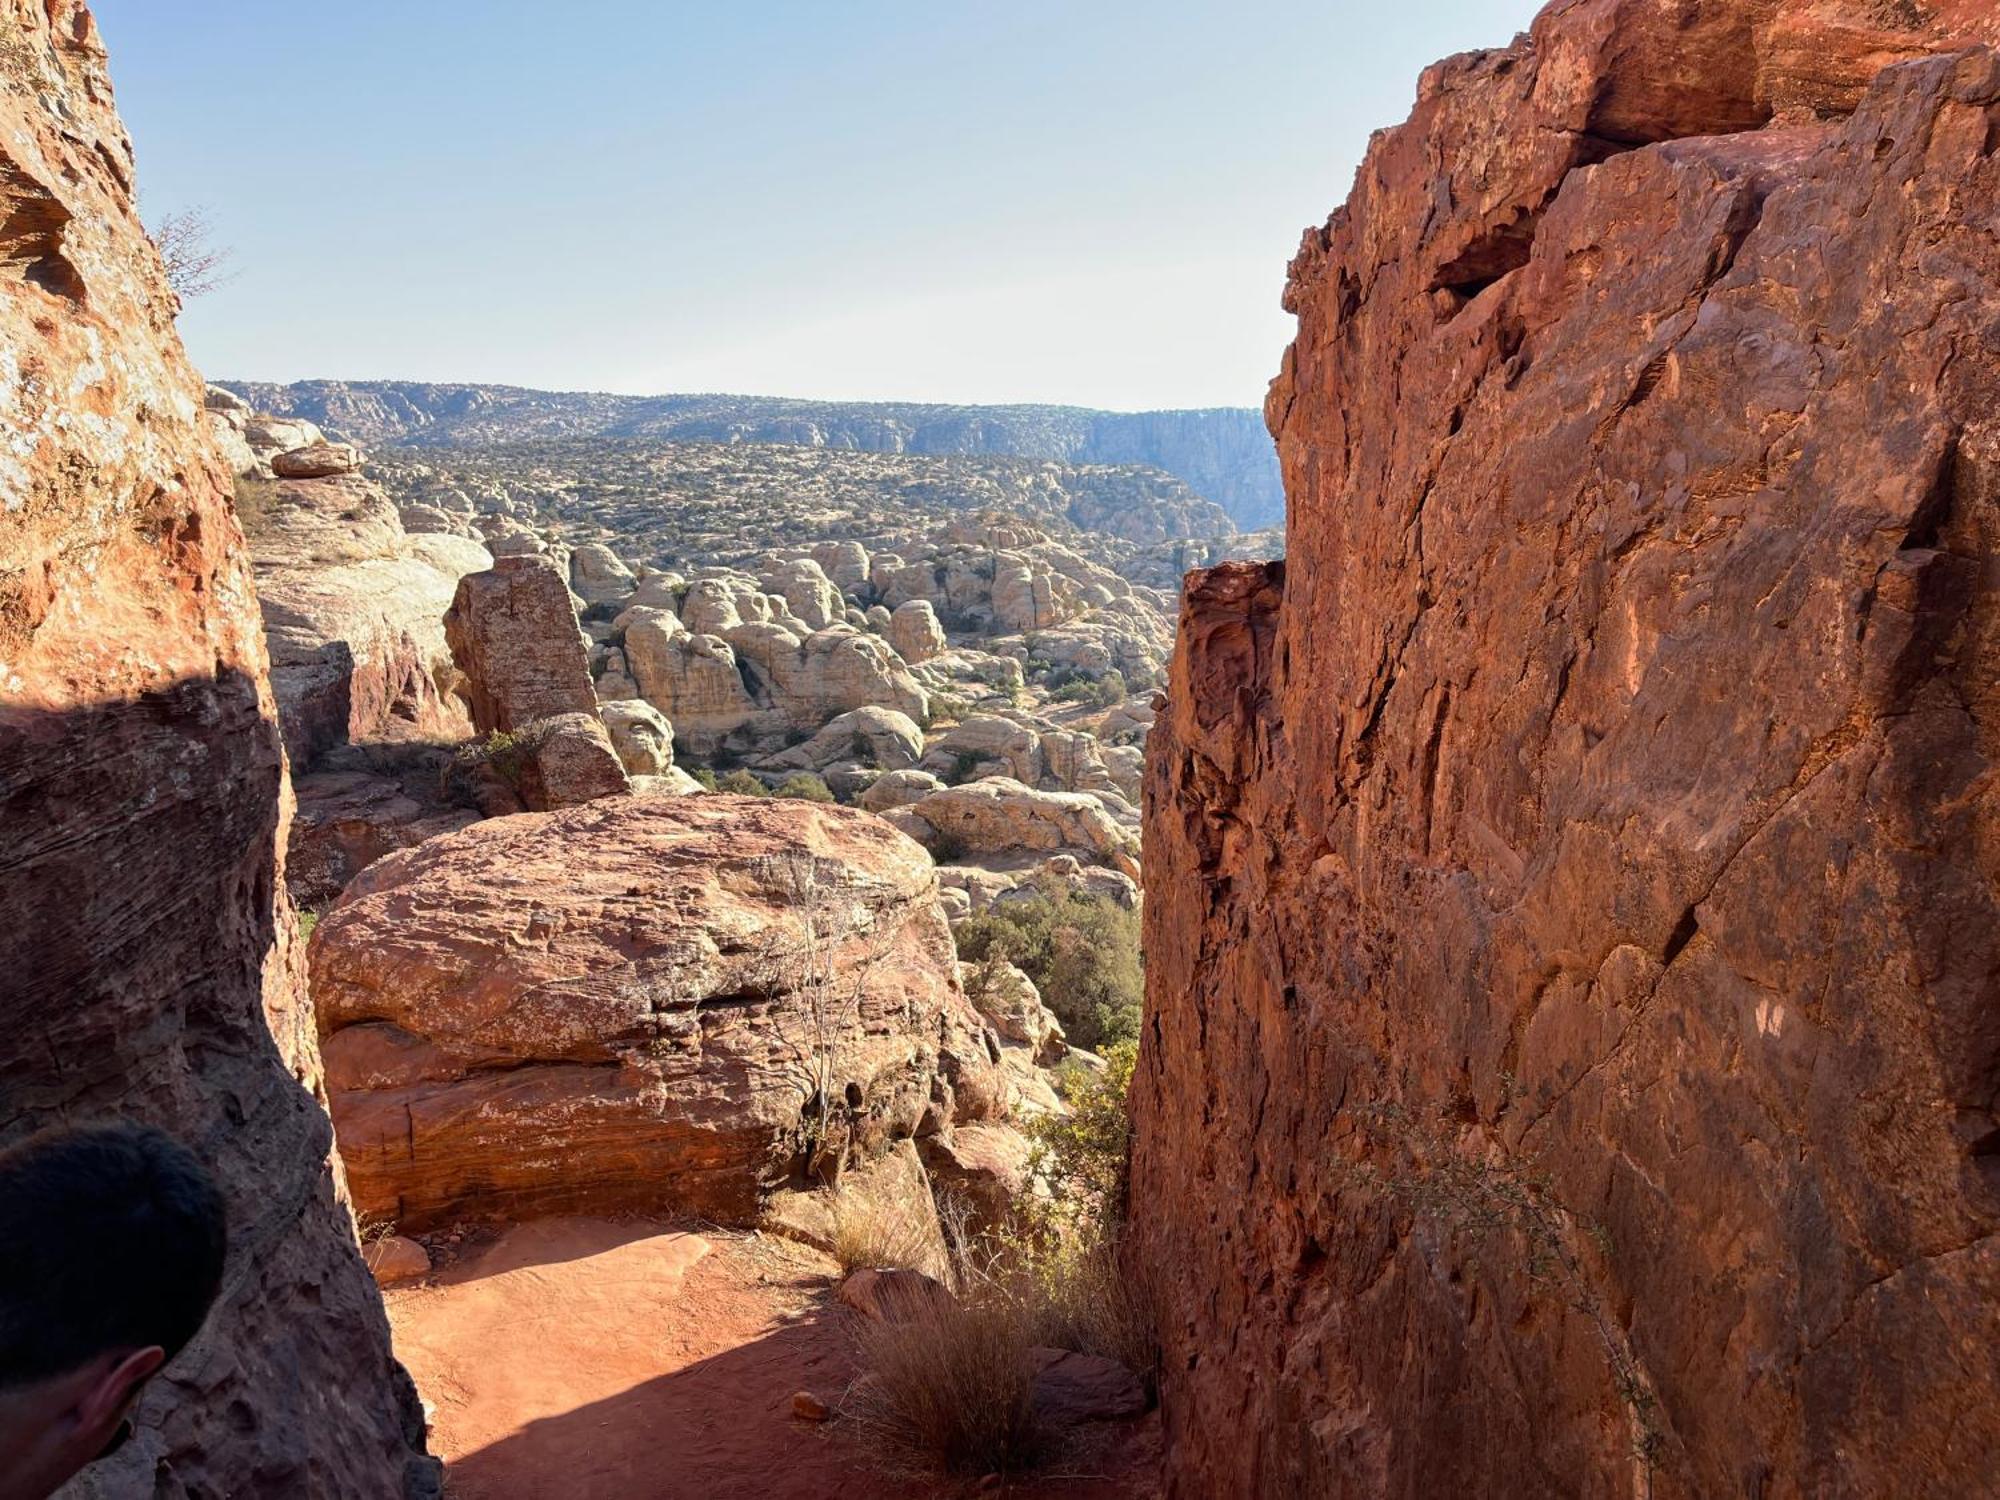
1573,1031
149,966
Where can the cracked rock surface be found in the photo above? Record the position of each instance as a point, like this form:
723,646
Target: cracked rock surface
1571,886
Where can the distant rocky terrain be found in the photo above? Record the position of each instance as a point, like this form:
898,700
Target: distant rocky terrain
1223,454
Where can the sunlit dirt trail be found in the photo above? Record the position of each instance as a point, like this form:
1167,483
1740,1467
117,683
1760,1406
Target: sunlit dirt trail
593,1359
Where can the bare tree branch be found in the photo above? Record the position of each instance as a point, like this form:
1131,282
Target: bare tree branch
195,264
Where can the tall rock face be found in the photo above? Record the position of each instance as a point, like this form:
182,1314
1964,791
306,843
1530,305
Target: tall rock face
1573,1033
148,966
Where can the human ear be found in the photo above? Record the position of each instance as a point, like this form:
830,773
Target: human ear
105,1401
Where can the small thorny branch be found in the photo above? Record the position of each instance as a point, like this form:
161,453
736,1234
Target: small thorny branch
195,264
825,1008
1481,1198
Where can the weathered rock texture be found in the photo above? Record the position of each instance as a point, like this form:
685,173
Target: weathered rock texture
148,965
616,1007
354,617
1604,790
513,633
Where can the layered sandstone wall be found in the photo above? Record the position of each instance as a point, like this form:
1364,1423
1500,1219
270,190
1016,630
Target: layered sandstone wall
149,967
1571,1054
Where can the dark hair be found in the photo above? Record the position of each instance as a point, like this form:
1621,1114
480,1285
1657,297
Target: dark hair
111,1237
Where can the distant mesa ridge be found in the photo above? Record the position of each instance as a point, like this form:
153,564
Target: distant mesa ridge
1223,453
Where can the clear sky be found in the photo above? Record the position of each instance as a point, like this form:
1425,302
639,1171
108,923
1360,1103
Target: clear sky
1086,201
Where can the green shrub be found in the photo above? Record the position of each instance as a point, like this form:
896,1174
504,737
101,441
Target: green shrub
1111,689
743,784
1081,950
1083,1154
805,787
705,776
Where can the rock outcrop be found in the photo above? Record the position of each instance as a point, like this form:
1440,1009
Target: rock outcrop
618,1007
1570,1056
514,635
150,961
354,617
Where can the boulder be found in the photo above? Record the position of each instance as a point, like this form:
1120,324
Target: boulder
871,736
268,436
1009,1002
513,633
613,1007
983,1166
1071,1388
598,576
981,744
568,759
641,735
846,563
898,789
893,1294
316,461
395,1261
346,820
1000,815
915,632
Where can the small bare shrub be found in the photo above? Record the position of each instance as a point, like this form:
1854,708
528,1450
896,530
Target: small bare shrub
954,1389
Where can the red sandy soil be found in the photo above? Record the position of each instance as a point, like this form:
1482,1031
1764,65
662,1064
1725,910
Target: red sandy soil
593,1359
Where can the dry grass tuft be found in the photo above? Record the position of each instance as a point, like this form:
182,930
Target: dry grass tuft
952,1389
871,1234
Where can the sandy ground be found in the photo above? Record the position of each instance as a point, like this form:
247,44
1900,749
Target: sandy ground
592,1359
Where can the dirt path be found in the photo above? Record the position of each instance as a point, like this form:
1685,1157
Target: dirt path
590,1359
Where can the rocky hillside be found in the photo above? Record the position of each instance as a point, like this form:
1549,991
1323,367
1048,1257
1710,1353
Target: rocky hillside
1222,454
152,964
672,503
1570,1056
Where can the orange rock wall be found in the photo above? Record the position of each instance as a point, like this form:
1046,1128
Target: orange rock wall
1573,1036
149,967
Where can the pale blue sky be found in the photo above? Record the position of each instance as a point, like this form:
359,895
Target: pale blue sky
1086,201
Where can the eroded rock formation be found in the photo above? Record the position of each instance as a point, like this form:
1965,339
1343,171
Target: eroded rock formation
1571,1056
618,1007
149,965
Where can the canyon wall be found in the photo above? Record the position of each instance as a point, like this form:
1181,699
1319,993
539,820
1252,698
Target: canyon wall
1573,1035
149,966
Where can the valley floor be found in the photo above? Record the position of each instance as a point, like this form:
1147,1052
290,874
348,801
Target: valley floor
600,1359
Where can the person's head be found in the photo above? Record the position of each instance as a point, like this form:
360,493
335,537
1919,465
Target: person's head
111,1248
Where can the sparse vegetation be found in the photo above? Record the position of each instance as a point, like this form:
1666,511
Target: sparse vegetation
952,1388
194,263
1082,951
257,502
805,787
871,1232
1486,1199
743,783
502,753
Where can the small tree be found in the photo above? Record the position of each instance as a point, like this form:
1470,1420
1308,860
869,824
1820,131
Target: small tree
195,264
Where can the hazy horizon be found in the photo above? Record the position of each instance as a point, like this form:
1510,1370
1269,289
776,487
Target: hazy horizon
876,204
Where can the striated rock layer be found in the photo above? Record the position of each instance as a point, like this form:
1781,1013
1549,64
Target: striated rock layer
1572,1040
148,966
643,1003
